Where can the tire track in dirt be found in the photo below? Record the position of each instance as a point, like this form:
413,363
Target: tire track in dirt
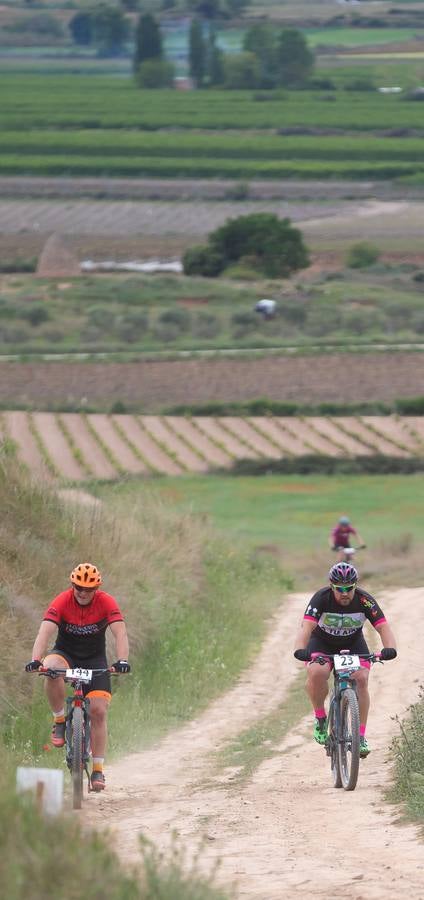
287,830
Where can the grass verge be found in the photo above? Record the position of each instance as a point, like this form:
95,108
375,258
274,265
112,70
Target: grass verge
408,753
262,740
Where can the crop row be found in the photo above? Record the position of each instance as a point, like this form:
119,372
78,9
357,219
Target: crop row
212,146
76,447
203,168
72,102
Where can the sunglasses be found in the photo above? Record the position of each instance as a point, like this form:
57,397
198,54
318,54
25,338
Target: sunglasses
83,590
345,589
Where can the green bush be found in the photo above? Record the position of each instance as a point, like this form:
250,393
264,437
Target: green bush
155,73
206,325
203,260
362,255
410,406
243,323
276,246
131,326
101,316
35,314
18,265
180,318
329,465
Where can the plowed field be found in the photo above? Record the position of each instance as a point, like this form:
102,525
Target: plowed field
75,447
152,386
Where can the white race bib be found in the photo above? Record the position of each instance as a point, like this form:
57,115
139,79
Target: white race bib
84,675
347,662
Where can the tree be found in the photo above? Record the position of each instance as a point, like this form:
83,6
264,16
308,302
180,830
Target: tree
81,28
295,60
197,53
261,40
215,60
148,40
110,29
215,9
273,246
241,71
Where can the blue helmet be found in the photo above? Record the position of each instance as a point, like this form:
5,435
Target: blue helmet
344,520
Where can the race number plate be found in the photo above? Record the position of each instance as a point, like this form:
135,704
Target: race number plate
346,662
84,675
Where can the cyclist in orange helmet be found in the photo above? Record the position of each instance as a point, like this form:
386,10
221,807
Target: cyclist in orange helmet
79,617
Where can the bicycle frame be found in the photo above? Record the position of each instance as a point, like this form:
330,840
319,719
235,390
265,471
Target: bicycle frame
343,741
78,724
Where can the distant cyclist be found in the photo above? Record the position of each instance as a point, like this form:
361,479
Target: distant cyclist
333,621
341,537
79,618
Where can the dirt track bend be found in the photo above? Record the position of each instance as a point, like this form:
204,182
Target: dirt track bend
287,832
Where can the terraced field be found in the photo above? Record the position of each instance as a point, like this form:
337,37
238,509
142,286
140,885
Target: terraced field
75,447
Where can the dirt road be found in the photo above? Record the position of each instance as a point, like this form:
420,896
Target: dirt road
286,832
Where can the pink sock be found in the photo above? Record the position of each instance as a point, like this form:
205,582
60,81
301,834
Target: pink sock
362,729
320,713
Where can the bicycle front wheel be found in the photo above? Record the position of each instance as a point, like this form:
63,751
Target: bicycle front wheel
332,748
349,739
77,770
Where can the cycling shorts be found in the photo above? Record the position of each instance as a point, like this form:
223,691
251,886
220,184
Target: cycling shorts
100,685
356,644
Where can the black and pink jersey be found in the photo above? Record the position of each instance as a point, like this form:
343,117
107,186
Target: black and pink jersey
82,629
335,623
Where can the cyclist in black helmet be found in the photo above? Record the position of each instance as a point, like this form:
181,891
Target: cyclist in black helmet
333,621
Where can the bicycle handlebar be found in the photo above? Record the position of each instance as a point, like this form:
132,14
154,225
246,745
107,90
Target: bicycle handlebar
321,658
56,673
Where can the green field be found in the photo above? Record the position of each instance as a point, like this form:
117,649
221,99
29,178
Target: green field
290,518
82,125
120,313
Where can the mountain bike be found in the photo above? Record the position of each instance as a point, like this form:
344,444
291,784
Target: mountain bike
343,739
349,552
77,725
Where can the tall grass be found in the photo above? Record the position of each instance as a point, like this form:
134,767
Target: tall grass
408,753
195,610
52,859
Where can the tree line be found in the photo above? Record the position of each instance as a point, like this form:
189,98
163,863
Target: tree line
269,58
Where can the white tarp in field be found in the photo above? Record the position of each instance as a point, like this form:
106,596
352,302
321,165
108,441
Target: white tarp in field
150,265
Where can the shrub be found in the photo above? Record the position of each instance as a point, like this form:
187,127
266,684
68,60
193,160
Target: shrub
362,255
101,316
35,314
132,325
18,265
180,318
410,406
360,84
276,246
244,323
241,71
206,325
203,260
155,73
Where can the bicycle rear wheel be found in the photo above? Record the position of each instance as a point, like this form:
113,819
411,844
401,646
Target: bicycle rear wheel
349,743
77,770
332,748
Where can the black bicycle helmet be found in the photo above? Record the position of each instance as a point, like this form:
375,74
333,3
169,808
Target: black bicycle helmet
343,573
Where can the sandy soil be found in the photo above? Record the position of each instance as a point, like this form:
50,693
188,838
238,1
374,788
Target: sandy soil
286,831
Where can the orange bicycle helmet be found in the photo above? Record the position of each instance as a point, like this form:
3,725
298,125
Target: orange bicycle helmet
86,575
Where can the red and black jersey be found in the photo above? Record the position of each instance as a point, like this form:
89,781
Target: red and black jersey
82,629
